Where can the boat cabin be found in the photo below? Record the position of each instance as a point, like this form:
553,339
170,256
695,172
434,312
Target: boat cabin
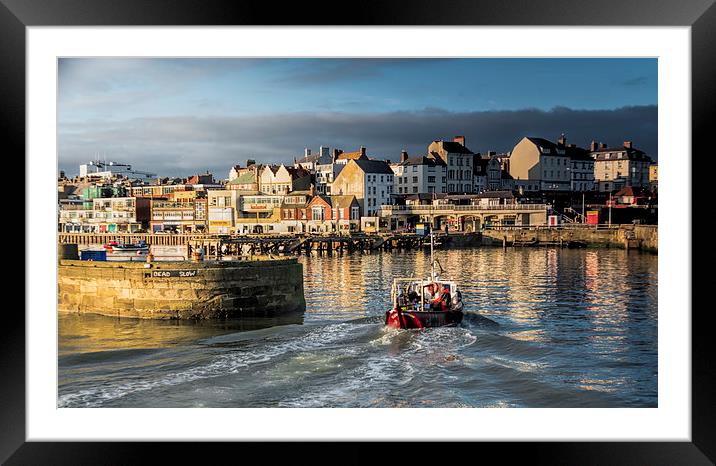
415,294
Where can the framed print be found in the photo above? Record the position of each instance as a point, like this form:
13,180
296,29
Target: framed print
297,225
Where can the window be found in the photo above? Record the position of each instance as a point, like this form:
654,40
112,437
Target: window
317,213
431,179
415,189
415,179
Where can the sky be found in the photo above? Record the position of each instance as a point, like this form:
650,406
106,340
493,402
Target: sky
178,117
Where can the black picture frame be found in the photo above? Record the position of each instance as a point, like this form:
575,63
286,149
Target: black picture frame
700,15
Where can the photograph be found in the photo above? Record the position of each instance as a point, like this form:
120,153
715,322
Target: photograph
358,232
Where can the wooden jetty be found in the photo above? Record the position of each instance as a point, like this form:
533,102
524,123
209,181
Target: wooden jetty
216,246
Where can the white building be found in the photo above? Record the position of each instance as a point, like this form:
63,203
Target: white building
102,169
326,171
420,174
370,181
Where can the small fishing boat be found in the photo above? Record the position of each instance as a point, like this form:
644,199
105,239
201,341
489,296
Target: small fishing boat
422,303
114,246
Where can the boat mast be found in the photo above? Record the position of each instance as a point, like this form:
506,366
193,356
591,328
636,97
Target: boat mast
432,260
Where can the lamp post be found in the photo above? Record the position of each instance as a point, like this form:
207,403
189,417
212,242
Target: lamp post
583,219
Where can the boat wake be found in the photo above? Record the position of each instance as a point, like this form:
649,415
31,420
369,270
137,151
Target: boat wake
250,353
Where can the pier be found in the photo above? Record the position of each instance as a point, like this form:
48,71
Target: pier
216,246
641,237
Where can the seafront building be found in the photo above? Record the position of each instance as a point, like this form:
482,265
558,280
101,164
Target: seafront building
458,160
581,166
333,191
537,164
419,174
280,179
180,212
370,181
618,167
489,173
106,215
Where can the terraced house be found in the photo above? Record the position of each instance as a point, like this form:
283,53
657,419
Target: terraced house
619,167
459,162
370,181
282,179
537,164
333,214
419,174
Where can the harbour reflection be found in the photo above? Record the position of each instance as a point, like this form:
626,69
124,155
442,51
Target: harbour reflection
88,333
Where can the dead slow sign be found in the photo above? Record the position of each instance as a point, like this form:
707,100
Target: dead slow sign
173,273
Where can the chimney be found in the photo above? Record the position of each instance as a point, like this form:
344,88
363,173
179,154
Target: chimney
387,161
306,152
312,190
250,162
362,150
593,146
459,140
602,145
403,156
562,141
628,144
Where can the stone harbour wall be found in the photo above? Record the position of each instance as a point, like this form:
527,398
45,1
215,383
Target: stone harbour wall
181,290
643,237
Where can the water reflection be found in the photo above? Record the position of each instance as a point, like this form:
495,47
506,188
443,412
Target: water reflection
576,328
89,333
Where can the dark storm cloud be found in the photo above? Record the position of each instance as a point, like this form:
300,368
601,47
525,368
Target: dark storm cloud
184,145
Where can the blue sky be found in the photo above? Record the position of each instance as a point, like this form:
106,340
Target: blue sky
178,116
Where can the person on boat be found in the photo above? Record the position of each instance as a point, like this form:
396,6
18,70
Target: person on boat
441,302
457,300
430,291
401,299
413,298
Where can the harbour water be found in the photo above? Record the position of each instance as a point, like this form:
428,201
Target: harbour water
546,327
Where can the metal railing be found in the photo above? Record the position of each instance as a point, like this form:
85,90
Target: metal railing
386,209
570,226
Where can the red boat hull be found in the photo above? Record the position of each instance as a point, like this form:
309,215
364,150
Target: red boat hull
421,319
